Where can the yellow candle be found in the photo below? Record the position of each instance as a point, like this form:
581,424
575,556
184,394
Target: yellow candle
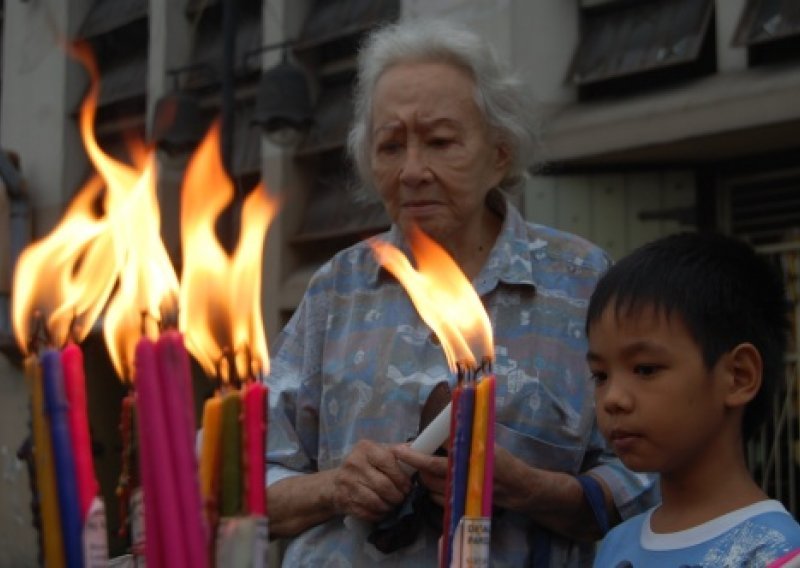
53,544
477,455
209,453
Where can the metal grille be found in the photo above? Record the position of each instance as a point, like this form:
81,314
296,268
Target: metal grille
764,209
774,454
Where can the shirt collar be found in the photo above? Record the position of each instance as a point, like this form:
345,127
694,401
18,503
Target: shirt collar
509,260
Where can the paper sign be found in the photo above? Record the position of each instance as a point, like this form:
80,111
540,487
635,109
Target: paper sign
95,540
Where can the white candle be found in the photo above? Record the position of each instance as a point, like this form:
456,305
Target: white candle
434,433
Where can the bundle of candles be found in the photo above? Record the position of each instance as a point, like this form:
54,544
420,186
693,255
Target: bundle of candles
232,482
468,509
175,534
106,257
447,302
72,516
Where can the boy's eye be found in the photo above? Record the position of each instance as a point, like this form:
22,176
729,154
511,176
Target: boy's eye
598,377
646,370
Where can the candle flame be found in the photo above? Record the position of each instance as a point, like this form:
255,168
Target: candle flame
113,259
147,286
443,296
222,292
64,277
107,253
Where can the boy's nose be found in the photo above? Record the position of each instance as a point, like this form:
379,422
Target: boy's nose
615,397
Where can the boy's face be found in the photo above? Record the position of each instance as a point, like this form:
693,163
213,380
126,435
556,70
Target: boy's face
658,405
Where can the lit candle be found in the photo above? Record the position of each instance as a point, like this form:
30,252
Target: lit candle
163,544
64,459
53,543
477,456
209,454
255,429
75,390
461,448
488,473
447,535
231,501
178,409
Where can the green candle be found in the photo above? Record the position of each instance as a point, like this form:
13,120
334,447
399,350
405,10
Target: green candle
232,483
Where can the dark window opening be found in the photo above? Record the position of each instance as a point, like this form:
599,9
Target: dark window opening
629,47
771,31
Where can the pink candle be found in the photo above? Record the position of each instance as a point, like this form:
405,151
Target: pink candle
178,409
75,390
255,429
163,544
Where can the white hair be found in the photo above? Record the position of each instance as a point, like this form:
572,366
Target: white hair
502,97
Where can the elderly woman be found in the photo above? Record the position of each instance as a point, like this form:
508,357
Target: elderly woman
441,128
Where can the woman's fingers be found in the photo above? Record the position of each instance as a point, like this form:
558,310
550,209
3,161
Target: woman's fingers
370,482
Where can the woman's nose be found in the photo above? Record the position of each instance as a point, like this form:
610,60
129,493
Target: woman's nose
415,169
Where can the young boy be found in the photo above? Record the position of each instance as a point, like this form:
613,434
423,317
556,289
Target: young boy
686,344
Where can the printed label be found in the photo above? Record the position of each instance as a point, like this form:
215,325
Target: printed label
95,540
137,527
476,539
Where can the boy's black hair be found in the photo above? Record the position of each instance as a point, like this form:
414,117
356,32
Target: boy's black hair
723,290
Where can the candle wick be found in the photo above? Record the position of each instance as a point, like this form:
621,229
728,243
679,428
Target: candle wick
74,329
39,333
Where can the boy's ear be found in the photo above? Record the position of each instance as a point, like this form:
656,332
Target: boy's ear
744,370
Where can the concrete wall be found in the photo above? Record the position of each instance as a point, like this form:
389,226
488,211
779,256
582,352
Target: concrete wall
40,87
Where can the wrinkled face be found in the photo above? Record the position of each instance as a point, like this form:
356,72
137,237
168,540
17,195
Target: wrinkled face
657,403
433,159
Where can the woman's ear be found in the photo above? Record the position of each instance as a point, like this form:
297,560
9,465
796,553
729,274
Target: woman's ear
502,157
745,370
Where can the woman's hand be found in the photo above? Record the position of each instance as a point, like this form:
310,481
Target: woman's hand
553,499
370,482
432,471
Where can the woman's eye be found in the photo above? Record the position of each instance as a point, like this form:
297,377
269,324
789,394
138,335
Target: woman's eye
440,142
388,147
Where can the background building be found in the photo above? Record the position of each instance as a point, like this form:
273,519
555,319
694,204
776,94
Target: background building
657,116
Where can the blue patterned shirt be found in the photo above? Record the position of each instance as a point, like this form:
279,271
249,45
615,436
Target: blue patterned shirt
750,537
356,361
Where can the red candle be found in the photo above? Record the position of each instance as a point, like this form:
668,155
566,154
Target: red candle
75,390
255,429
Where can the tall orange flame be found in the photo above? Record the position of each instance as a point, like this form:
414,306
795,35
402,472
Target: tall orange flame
90,261
443,296
147,284
222,293
66,277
